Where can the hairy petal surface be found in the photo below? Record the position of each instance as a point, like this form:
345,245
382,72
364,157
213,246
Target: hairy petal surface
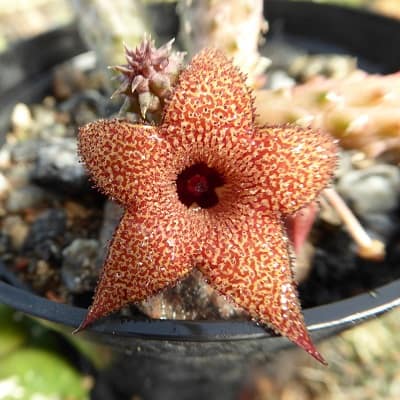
211,93
247,259
150,250
123,159
295,164
207,188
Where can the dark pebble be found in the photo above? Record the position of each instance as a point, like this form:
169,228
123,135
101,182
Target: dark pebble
26,151
99,102
46,235
333,266
78,270
338,272
58,168
381,226
5,243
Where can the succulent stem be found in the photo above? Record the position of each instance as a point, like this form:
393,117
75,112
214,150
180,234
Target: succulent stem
367,247
232,26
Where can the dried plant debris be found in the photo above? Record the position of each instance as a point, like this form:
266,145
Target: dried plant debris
360,109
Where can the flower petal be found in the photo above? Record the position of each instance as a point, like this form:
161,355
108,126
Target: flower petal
211,93
148,253
247,260
299,225
122,158
293,165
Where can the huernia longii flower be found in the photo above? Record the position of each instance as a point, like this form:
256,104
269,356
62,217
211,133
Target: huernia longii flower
207,189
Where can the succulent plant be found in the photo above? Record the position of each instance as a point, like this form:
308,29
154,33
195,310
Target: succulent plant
147,79
233,26
210,189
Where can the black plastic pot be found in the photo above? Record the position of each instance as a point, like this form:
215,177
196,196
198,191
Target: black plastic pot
24,76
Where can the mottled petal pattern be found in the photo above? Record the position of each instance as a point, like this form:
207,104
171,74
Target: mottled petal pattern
208,189
211,93
297,163
147,254
247,259
123,159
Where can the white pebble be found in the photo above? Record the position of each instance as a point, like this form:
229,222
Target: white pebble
4,186
21,117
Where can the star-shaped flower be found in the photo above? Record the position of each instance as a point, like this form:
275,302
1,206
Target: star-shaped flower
207,189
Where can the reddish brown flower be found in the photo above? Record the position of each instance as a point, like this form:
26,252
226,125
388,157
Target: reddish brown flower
207,189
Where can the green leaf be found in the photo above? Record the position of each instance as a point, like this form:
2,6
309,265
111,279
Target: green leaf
34,373
12,333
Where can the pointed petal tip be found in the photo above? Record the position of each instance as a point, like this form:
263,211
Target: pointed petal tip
307,344
83,325
94,313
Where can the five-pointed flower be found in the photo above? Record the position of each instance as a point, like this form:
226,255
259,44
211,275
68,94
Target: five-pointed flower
207,189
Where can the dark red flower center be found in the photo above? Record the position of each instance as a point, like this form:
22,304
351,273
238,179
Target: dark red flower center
197,184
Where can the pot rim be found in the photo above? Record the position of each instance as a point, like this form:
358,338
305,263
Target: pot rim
340,314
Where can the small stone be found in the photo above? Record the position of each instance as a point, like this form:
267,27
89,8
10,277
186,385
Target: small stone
26,150
19,175
21,117
75,210
68,80
294,390
16,229
58,167
5,157
84,114
44,275
111,217
78,269
42,267
5,244
44,116
29,196
330,65
381,226
192,298
53,131
46,234
50,224
279,79
344,164
375,189
4,186
282,52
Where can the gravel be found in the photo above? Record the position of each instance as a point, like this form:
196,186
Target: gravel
58,167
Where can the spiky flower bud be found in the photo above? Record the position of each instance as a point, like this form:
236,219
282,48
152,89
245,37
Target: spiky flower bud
148,77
